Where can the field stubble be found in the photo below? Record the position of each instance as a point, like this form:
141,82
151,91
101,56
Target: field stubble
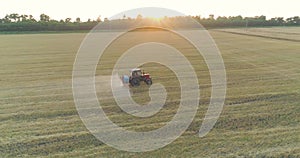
260,118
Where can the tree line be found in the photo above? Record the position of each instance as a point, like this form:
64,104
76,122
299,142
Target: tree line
16,22
239,21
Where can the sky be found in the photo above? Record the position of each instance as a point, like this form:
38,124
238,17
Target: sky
85,9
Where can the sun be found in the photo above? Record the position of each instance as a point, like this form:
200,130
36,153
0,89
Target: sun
156,19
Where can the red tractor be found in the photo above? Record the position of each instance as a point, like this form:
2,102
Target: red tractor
136,76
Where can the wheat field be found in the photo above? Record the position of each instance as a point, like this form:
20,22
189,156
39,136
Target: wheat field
260,116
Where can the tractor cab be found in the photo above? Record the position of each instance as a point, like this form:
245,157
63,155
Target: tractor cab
137,75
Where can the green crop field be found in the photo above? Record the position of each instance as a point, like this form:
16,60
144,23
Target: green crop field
260,117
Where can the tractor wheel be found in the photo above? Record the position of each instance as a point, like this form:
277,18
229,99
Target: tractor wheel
135,82
148,81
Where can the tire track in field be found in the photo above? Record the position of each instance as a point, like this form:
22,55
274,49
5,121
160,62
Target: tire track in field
255,35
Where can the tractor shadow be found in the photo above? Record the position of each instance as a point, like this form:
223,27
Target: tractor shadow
140,94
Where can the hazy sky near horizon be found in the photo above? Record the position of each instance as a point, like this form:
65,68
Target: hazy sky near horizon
61,9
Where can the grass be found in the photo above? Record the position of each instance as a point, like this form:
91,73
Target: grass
41,32
280,33
260,118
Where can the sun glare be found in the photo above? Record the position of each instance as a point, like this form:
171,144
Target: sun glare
157,19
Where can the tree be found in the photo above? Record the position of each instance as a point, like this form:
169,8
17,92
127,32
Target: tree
7,19
14,16
67,20
278,21
106,20
297,20
293,20
235,18
139,17
222,18
44,18
198,17
99,18
24,17
262,18
31,18
78,20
